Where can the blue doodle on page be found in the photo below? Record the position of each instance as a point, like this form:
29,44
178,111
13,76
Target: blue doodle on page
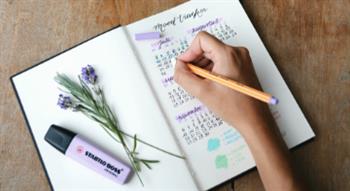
230,136
213,144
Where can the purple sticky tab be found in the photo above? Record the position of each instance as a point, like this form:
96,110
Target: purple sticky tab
147,36
273,101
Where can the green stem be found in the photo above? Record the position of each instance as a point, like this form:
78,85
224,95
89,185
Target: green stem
140,140
155,147
95,107
127,153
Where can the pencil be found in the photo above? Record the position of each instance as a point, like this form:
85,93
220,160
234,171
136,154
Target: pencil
237,86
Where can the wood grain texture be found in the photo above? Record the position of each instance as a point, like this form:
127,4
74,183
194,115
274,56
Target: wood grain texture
31,31
309,41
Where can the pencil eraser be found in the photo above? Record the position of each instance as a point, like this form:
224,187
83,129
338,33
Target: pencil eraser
173,62
273,101
147,36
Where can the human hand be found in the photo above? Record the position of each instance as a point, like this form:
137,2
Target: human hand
249,116
237,109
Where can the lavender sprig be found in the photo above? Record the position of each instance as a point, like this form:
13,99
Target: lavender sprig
88,74
87,97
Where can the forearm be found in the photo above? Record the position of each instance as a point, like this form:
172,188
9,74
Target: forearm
250,117
270,153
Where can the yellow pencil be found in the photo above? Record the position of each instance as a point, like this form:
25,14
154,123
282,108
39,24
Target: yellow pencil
257,94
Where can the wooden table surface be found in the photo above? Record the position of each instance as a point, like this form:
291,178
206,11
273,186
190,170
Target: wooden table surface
308,40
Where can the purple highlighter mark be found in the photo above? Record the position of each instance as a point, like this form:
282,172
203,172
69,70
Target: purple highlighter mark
161,42
184,115
167,81
204,26
147,36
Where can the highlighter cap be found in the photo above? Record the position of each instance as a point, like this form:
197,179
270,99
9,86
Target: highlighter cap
59,137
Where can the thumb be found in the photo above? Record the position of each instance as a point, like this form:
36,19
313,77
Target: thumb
193,84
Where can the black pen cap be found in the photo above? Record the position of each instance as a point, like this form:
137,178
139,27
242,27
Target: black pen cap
59,137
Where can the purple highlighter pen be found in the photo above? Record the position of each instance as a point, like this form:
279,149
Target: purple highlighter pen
73,146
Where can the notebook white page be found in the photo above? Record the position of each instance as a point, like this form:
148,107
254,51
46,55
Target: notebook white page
219,155
216,152
127,92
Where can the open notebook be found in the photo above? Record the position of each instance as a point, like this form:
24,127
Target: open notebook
137,79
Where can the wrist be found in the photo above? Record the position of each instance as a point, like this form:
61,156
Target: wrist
257,119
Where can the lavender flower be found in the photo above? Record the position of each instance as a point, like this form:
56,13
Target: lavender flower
65,102
85,97
88,74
